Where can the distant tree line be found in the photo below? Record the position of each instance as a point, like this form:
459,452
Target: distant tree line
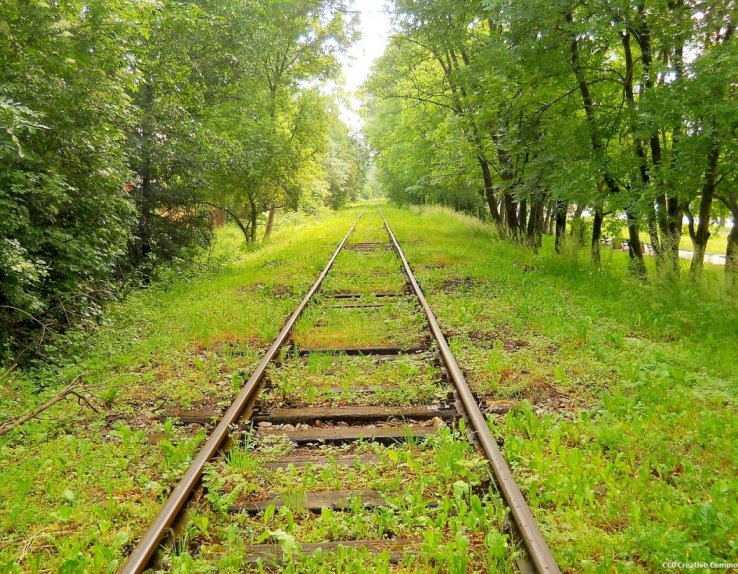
524,111
123,124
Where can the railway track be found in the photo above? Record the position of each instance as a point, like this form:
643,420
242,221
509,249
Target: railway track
356,441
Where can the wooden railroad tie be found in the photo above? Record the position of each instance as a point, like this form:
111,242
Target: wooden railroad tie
302,461
360,295
314,501
360,306
388,434
369,246
365,351
273,554
310,415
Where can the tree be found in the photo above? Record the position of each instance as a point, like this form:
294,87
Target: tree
66,218
590,105
123,126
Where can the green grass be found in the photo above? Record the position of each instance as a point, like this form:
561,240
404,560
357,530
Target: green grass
79,487
323,380
622,436
436,491
396,323
716,244
622,439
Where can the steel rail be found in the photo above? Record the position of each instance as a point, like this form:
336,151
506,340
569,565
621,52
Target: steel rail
535,544
139,559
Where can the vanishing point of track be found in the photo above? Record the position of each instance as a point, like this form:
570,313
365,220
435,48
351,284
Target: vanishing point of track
240,416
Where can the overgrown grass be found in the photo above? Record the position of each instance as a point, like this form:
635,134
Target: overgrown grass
623,435
79,486
436,493
324,379
622,438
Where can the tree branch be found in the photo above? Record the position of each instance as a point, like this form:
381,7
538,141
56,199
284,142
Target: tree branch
70,389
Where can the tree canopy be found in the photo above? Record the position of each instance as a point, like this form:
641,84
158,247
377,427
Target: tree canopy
622,110
124,124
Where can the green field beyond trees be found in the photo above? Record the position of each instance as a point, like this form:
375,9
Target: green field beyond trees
621,433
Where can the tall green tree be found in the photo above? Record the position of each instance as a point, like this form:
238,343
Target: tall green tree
620,109
65,218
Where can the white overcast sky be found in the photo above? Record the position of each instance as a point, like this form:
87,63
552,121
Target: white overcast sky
375,29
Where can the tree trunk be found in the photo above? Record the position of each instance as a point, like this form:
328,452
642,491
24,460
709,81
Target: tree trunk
252,225
503,213
535,224
489,189
653,234
511,216
674,208
522,215
635,250
577,225
690,227
672,234
731,259
600,152
560,224
507,173
548,221
731,251
539,223
731,256
253,218
270,222
142,241
597,236
703,227
530,232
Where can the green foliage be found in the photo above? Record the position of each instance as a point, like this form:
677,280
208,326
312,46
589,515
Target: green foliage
346,166
124,124
277,153
65,219
529,107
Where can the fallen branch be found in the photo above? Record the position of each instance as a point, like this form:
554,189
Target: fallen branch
6,373
72,389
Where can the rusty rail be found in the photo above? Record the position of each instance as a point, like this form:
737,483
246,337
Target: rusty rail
535,544
533,540
139,559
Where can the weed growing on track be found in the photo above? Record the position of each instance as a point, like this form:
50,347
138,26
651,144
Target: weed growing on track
397,323
436,491
323,379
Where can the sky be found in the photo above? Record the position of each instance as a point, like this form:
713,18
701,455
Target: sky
375,29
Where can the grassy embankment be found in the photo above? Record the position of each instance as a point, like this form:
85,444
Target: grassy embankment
621,434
